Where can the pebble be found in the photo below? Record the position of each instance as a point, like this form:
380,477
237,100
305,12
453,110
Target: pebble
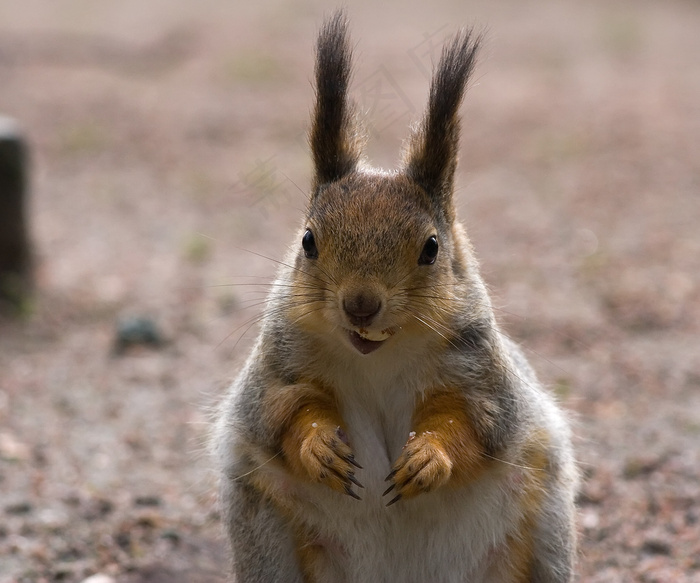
18,508
655,546
12,449
147,501
589,518
99,578
137,331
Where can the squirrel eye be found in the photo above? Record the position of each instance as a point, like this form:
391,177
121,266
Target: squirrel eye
309,244
430,251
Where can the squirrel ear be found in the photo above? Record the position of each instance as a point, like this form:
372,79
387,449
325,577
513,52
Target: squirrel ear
335,143
431,157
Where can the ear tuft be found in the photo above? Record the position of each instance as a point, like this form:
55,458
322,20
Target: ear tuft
335,144
431,157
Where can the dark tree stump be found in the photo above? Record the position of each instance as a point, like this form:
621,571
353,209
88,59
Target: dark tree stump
15,252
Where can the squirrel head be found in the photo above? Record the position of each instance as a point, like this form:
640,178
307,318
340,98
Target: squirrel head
381,252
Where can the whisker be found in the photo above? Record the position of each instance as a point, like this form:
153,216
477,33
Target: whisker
293,267
256,468
250,323
393,286
307,313
274,284
522,467
488,305
436,326
305,193
279,309
498,330
430,327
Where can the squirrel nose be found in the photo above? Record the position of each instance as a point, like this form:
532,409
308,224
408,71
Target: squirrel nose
361,308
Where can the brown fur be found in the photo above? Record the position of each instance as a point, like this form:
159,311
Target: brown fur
311,434
443,449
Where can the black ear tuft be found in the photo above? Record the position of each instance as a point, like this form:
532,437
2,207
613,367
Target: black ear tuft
432,151
335,145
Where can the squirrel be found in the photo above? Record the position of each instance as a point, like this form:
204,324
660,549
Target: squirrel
383,428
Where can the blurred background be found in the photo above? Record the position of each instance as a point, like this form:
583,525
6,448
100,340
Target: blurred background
167,161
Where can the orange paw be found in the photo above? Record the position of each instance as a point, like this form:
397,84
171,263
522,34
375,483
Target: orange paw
423,466
326,457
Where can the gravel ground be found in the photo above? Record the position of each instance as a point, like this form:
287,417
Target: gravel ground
169,161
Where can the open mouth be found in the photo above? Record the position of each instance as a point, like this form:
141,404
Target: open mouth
365,345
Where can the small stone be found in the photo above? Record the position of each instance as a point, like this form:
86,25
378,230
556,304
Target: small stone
171,535
99,578
149,520
637,467
21,507
12,449
136,331
96,508
53,519
151,500
655,546
590,518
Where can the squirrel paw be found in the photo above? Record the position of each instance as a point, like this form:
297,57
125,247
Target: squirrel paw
423,466
328,459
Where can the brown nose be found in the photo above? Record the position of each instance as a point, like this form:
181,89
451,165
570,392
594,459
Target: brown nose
361,308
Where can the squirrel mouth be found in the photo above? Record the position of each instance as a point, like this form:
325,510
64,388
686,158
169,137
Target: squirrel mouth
365,345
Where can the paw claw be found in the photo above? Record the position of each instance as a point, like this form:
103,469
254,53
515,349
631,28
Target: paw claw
354,480
328,459
340,433
352,494
351,459
422,466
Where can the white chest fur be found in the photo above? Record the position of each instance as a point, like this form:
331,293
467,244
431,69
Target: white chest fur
444,536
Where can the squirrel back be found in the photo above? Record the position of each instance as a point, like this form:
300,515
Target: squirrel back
383,427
